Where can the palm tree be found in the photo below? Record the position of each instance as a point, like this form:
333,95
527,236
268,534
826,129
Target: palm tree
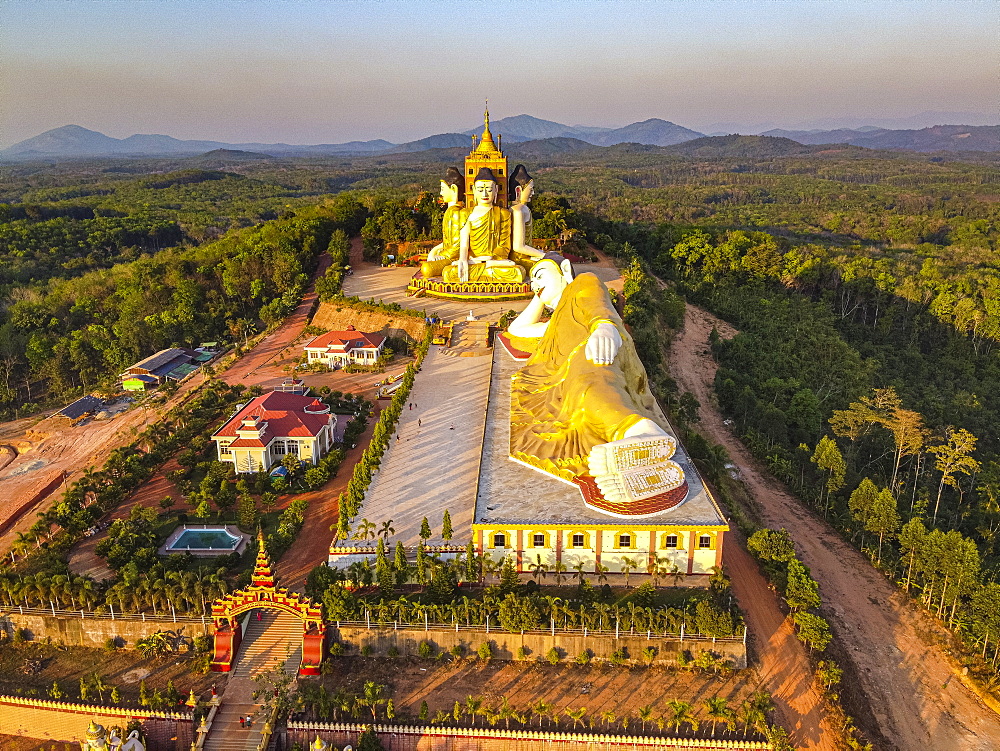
541,709
505,711
628,564
559,569
645,714
576,715
602,572
387,530
681,713
717,708
578,567
366,529
373,696
473,706
538,567
608,717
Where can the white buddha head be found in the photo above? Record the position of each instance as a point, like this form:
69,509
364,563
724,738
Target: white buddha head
485,187
452,187
549,277
521,186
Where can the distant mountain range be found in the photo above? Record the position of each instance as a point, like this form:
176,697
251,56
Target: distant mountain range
75,142
937,138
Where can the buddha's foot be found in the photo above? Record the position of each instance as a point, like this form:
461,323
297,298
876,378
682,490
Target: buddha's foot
633,469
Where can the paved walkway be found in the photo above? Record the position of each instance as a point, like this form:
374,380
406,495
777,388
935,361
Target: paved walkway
435,463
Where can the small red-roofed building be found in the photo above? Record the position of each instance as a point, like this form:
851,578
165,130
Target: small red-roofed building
338,348
265,430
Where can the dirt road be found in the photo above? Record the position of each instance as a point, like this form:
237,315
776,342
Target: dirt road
908,683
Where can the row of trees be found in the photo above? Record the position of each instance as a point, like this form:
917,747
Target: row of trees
747,719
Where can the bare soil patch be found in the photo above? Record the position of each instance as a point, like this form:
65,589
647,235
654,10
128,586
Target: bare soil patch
121,668
599,688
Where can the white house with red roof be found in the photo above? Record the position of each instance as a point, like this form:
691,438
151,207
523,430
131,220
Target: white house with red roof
338,348
265,430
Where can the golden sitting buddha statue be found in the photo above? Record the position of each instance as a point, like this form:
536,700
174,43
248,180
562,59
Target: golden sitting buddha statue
581,406
452,191
485,239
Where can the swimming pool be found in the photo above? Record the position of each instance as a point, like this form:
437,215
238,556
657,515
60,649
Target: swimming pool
204,540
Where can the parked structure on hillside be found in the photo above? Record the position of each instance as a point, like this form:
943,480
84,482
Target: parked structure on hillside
174,364
338,348
266,429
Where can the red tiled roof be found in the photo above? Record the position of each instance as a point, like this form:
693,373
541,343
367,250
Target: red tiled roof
285,415
346,340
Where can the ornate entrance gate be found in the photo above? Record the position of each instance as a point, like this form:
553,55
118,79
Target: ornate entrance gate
264,593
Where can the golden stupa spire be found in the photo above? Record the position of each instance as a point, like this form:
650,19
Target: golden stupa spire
263,575
486,144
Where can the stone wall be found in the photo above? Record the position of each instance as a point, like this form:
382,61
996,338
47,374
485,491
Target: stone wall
94,631
68,721
505,645
405,738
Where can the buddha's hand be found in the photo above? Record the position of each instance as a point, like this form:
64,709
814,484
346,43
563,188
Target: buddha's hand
463,269
603,344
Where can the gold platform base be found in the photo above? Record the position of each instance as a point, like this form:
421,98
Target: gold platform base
437,287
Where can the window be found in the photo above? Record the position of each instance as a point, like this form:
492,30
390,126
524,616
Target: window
624,541
579,540
538,540
705,541
500,540
278,448
670,541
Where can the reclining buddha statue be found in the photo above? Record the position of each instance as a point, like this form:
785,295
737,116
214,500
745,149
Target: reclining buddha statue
581,408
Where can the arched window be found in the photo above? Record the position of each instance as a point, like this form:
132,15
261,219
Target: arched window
579,540
625,540
538,540
499,540
705,541
670,541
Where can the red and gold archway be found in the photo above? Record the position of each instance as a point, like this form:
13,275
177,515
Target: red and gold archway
263,592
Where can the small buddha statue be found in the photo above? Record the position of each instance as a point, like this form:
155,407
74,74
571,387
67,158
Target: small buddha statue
452,190
520,188
485,239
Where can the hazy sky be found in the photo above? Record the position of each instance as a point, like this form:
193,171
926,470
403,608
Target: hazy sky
322,72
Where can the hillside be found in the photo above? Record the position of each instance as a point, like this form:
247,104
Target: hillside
334,316
740,146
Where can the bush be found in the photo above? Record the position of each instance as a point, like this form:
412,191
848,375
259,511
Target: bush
619,656
337,649
456,651
553,656
366,650
425,649
392,652
202,644
522,653
584,657
485,651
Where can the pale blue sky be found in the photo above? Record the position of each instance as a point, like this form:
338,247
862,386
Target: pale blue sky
312,72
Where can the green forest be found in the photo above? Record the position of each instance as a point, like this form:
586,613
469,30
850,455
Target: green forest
865,286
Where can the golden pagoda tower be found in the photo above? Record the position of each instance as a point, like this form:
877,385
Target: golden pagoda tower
486,153
263,574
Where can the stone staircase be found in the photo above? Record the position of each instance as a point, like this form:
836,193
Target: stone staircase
275,640
469,339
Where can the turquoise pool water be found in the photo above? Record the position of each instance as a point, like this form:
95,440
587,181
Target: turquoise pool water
205,539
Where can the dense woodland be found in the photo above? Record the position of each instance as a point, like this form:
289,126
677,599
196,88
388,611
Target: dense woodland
865,285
